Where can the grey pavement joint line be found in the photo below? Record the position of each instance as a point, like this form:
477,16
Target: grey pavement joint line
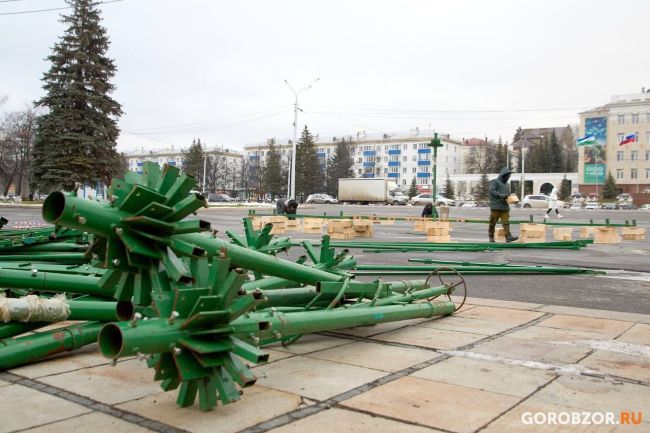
90,403
333,401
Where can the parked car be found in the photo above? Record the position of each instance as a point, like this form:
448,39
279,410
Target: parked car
220,198
627,206
592,205
539,201
576,206
423,199
610,205
645,206
321,198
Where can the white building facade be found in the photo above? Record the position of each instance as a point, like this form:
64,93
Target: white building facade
400,156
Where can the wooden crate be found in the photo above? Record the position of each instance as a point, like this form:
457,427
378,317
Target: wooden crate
294,225
444,238
606,235
312,225
340,229
532,232
443,212
586,232
362,228
438,231
633,233
563,234
500,234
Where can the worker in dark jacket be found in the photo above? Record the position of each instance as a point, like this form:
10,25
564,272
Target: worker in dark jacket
427,212
499,207
286,207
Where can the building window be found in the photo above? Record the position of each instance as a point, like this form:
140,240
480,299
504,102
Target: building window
415,146
621,119
404,170
619,174
647,155
634,155
647,137
415,158
619,155
647,173
406,146
635,118
620,137
414,170
386,148
633,173
405,158
647,117
404,180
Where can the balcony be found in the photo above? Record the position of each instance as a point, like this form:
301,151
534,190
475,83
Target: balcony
368,164
425,150
424,174
393,174
393,163
394,152
368,175
424,162
369,153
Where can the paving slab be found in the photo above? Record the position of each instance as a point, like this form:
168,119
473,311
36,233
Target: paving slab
637,334
531,350
367,331
466,324
310,343
513,421
127,381
605,327
376,356
434,404
24,408
257,404
314,378
516,305
487,376
556,335
347,421
503,315
429,337
619,364
592,394
96,422
87,356
603,314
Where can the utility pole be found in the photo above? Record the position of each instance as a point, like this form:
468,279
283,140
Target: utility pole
205,164
291,179
435,143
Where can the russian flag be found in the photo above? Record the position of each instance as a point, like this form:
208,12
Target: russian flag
629,138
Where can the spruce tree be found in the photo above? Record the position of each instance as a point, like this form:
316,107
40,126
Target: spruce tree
609,189
338,166
483,191
565,189
556,154
449,189
273,175
413,189
309,176
76,137
194,160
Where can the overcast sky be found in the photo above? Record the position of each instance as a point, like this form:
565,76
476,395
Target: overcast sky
216,69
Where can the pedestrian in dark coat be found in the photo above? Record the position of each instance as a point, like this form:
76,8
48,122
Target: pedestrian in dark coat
499,207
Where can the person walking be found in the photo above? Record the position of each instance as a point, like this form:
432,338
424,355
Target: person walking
552,204
499,207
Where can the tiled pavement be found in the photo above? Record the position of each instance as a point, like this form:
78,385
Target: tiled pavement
478,370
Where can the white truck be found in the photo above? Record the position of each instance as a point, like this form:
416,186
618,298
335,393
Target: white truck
370,190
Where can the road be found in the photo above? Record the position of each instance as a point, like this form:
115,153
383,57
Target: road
626,287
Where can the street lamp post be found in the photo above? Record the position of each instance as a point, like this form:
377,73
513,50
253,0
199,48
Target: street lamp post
435,143
291,179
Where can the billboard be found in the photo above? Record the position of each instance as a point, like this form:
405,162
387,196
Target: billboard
594,155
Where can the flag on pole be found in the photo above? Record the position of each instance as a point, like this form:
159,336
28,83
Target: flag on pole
629,138
587,140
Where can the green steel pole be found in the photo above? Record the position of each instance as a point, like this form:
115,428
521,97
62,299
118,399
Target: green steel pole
30,348
10,278
46,257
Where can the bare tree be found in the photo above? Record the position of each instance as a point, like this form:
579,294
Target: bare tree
17,131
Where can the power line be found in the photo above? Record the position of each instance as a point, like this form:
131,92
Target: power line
51,9
207,122
404,110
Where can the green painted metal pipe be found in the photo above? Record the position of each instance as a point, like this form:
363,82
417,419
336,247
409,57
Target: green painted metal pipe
62,247
79,269
157,335
46,257
30,348
83,214
81,284
100,311
259,262
476,270
12,329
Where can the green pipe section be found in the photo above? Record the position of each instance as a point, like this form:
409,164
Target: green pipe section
100,311
79,269
30,348
158,335
11,329
47,281
61,247
51,257
83,214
